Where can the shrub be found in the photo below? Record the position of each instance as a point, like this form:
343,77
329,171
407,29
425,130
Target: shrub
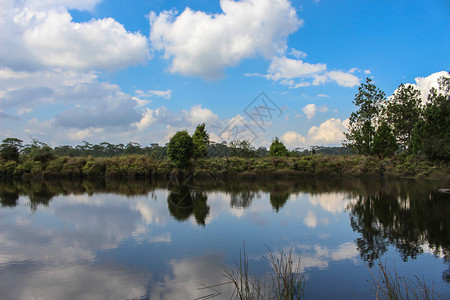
181,149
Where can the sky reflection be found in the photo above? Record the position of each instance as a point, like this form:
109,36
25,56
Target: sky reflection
109,245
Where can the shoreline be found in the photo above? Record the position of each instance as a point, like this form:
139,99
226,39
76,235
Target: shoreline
142,166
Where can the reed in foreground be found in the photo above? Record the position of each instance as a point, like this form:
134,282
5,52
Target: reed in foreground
390,285
286,281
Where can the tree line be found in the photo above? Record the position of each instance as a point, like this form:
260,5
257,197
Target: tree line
379,127
13,148
401,123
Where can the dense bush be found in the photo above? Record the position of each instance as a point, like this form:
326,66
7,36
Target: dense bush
181,149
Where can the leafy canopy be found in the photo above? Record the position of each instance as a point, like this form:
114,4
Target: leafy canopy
278,149
200,138
362,123
9,149
181,149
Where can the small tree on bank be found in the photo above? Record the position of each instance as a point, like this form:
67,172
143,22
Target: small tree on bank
431,135
200,138
181,149
277,149
402,112
384,142
9,149
362,123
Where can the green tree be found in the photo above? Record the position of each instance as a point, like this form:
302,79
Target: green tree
38,151
384,142
181,149
242,148
431,135
278,149
200,138
9,149
361,129
402,112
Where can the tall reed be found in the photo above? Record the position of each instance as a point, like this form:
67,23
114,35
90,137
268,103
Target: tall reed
286,280
390,285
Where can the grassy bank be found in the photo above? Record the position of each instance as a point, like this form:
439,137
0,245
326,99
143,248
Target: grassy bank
142,166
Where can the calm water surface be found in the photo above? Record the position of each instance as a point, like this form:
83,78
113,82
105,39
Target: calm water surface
168,240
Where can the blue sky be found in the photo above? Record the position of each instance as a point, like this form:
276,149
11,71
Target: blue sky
122,71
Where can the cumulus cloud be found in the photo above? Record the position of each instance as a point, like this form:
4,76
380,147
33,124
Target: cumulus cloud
202,44
296,73
293,139
425,84
41,36
329,132
54,40
343,79
310,110
186,119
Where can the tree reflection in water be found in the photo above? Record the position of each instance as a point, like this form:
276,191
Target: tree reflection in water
407,221
407,214
183,201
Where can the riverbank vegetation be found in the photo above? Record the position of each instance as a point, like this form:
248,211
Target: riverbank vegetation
395,136
143,166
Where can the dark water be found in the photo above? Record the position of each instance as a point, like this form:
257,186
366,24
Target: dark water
167,240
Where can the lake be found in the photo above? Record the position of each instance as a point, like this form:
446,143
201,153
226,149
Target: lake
172,239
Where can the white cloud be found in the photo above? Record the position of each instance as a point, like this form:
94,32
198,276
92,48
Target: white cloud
310,110
71,4
167,94
323,96
41,34
343,79
298,54
425,84
293,139
328,133
286,68
197,115
202,44
186,119
148,118
286,71
55,41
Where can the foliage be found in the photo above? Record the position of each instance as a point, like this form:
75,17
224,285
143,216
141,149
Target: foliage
361,129
278,149
402,112
38,151
431,134
242,148
9,149
200,138
384,142
181,149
